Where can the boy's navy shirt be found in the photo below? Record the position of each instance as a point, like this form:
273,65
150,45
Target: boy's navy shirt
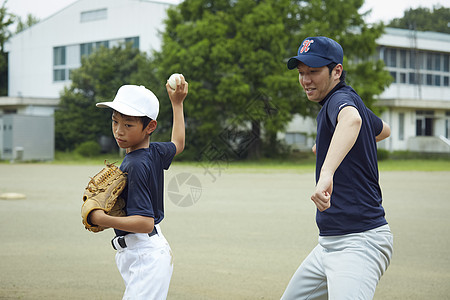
144,191
356,197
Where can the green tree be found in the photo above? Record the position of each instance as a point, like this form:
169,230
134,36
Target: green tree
234,52
424,19
30,21
6,19
77,119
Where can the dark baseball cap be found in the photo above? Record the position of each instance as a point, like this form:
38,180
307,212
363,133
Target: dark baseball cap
317,52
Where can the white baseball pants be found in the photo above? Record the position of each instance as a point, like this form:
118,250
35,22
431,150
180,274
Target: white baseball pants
146,266
343,267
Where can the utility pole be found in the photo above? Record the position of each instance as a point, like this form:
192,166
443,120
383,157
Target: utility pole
414,52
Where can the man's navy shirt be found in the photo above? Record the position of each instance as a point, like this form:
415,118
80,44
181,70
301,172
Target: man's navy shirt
356,197
144,191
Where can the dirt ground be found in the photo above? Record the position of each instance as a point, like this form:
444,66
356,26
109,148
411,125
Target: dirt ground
240,234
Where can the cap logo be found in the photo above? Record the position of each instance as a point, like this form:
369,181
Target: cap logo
306,46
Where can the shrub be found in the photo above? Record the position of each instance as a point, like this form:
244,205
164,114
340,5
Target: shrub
88,149
382,154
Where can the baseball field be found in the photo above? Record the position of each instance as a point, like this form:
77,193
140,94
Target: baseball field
236,233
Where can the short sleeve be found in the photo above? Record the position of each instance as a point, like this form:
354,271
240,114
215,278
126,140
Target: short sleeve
376,122
336,103
167,152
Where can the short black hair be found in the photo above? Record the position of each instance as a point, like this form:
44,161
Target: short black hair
144,119
331,67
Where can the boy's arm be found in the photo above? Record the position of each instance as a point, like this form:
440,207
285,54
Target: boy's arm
136,224
177,97
344,137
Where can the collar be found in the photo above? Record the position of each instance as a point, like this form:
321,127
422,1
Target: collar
338,86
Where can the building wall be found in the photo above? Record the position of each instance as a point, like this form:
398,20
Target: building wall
418,101
31,135
300,133
31,52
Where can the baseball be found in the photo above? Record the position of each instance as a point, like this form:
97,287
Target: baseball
172,80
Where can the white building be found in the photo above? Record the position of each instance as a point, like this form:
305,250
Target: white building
42,57
417,102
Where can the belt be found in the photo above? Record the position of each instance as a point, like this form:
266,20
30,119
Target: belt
121,239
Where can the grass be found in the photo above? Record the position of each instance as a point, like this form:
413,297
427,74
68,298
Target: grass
72,158
423,165
415,165
295,164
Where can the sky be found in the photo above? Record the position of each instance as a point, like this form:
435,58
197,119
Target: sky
382,10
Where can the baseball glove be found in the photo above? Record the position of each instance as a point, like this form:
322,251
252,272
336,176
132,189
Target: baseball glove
103,192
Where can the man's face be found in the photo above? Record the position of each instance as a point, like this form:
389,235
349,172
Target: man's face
317,82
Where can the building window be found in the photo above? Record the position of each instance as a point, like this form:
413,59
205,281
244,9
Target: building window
121,42
437,80
94,15
437,62
401,126
390,57
447,124
413,78
429,59
412,59
59,56
88,48
295,138
446,62
403,60
421,60
402,77
424,123
68,58
409,66
59,62
429,79
134,41
70,73
394,76
59,75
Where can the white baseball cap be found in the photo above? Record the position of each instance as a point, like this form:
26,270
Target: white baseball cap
135,101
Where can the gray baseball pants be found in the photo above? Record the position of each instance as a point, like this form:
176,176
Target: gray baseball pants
343,267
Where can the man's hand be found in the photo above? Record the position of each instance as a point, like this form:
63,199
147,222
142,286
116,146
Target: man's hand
322,194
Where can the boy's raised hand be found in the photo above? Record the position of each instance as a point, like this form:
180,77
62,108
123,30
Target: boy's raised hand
178,94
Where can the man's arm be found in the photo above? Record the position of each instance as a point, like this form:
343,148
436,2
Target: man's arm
344,137
177,97
385,132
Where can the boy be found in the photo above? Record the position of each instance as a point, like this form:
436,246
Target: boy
355,242
143,257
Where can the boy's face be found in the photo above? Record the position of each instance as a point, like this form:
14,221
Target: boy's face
317,82
129,133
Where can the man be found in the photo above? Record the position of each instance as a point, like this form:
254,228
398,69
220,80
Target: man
355,242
